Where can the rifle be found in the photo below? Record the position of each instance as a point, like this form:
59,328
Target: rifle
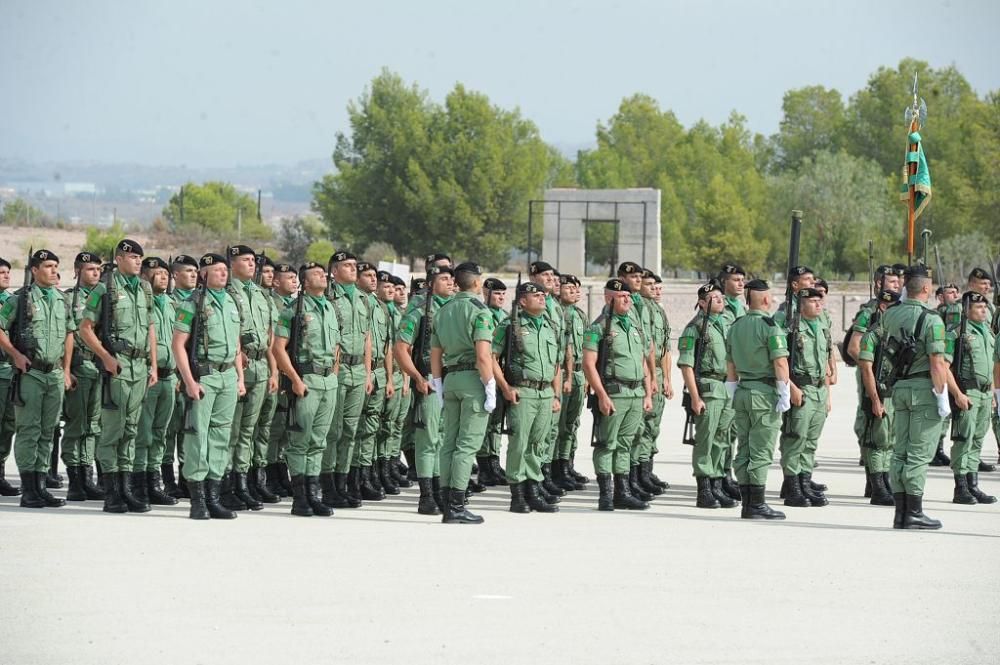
258,272
296,333
925,236
511,343
603,352
170,276
792,308
20,336
956,367
687,438
76,360
192,356
881,384
106,337
871,270
418,351
940,269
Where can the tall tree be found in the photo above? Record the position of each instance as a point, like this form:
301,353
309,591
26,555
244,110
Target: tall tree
218,207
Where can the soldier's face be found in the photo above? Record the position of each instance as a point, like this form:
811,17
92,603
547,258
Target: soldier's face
4,277
400,295
244,266
215,275
158,279
532,303
647,288
621,303
129,263
386,291
633,281
891,283
185,277
811,307
346,272
267,277
949,296
90,274
978,312
444,285
734,285
566,293
46,273
286,283
316,281
979,286
658,291
497,299
544,279
368,281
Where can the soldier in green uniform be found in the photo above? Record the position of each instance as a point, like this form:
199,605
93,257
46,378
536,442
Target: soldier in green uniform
354,382
211,395
462,373
532,394
573,383
42,357
981,282
314,384
184,271
82,403
131,354
387,420
407,435
271,429
658,327
971,352
702,361
488,458
158,407
393,431
732,279
823,287
6,408
623,391
426,408
803,424
758,380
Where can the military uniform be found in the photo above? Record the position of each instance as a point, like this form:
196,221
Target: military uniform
572,402
6,413
389,435
555,315
270,431
175,437
874,434
658,327
375,409
488,457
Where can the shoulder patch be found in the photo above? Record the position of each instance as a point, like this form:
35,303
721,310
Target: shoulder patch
937,330
777,342
184,316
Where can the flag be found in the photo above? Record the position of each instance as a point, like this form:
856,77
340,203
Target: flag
921,181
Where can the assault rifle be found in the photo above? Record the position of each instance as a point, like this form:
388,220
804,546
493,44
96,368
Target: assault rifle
792,306
956,368
420,348
296,333
107,336
192,356
170,276
512,343
699,351
603,354
20,336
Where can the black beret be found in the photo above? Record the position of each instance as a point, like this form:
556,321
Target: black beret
211,259
342,255
809,293
384,276
240,250
398,281
974,297
42,255
434,258
284,267
757,285
821,283
185,260
527,288
647,273
918,270
629,267
4,263
569,279
732,269
657,279
87,257
798,271
898,269
434,271
979,273
538,267
309,265
268,261
884,269
128,247
887,295
153,262
365,266
494,284
418,284
469,267
706,288
616,285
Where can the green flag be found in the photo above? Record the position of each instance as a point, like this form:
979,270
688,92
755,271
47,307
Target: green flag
921,181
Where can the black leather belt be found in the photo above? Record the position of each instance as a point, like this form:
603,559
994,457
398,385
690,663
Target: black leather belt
537,385
260,354
208,368
632,385
769,380
460,367
803,380
715,377
351,360
319,370
164,372
133,353
43,366
918,375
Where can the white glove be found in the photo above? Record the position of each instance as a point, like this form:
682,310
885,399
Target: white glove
731,387
944,407
437,385
784,397
491,396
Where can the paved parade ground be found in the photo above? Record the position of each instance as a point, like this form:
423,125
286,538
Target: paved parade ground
383,584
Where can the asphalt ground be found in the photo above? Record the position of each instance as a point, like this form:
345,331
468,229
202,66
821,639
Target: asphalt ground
382,584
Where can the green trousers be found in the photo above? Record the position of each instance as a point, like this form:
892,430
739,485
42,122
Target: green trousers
757,426
969,431
206,451
916,427
344,431
463,424
372,414
530,421
116,446
408,432
492,438
175,438
82,410
151,438
800,431
262,430
550,440
278,440
711,438
427,435
245,417
616,434
387,437
571,406
645,440
6,422
314,414
36,421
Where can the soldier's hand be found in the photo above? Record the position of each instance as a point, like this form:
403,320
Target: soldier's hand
567,386
369,385
241,388
656,387
390,390
606,406
647,403
878,410
272,383
406,388
69,380
21,362
154,377
111,366
422,386
668,389
698,406
299,388
556,405
962,402
796,395
194,390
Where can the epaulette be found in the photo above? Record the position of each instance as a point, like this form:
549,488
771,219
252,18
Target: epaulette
769,320
478,303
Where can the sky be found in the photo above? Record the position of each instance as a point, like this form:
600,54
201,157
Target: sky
215,83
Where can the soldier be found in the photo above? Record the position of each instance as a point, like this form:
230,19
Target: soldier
44,336
948,295
972,377
623,391
803,424
573,383
462,370
267,274
532,393
824,316
732,277
158,407
6,407
271,427
659,334
876,415
314,384
211,395
393,432
184,271
82,403
130,360
354,382
426,408
702,361
758,381
981,282
407,434
394,411
488,458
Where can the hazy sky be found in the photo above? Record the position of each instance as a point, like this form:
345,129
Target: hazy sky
226,82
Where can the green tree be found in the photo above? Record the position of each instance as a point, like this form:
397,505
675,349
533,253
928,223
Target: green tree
320,251
21,213
296,234
216,207
812,120
103,241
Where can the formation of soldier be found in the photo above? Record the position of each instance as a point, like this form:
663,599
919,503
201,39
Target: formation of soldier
262,381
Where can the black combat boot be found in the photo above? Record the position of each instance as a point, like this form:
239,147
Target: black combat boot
455,510
816,497
113,502
816,487
549,486
986,468
328,492
899,499
182,483
273,486
385,477
43,491
914,517
550,499
300,498
264,492
646,479
397,473
427,505
242,491
577,476
213,502
227,492
623,497
312,496
284,482
606,489
6,489
53,480
411,464
354,485
755,508
199,511
561,477
662,484
634,487
75,491
341,482
170,481
531,493
474,486
252,484
962,494
366,488
440,494
880,494
125,486
485,471
792,492
940,458
93,490
706,497
499,473
721,495
886,482
731,487
399,466
29,491
154,491
137,484
972,479
518,504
